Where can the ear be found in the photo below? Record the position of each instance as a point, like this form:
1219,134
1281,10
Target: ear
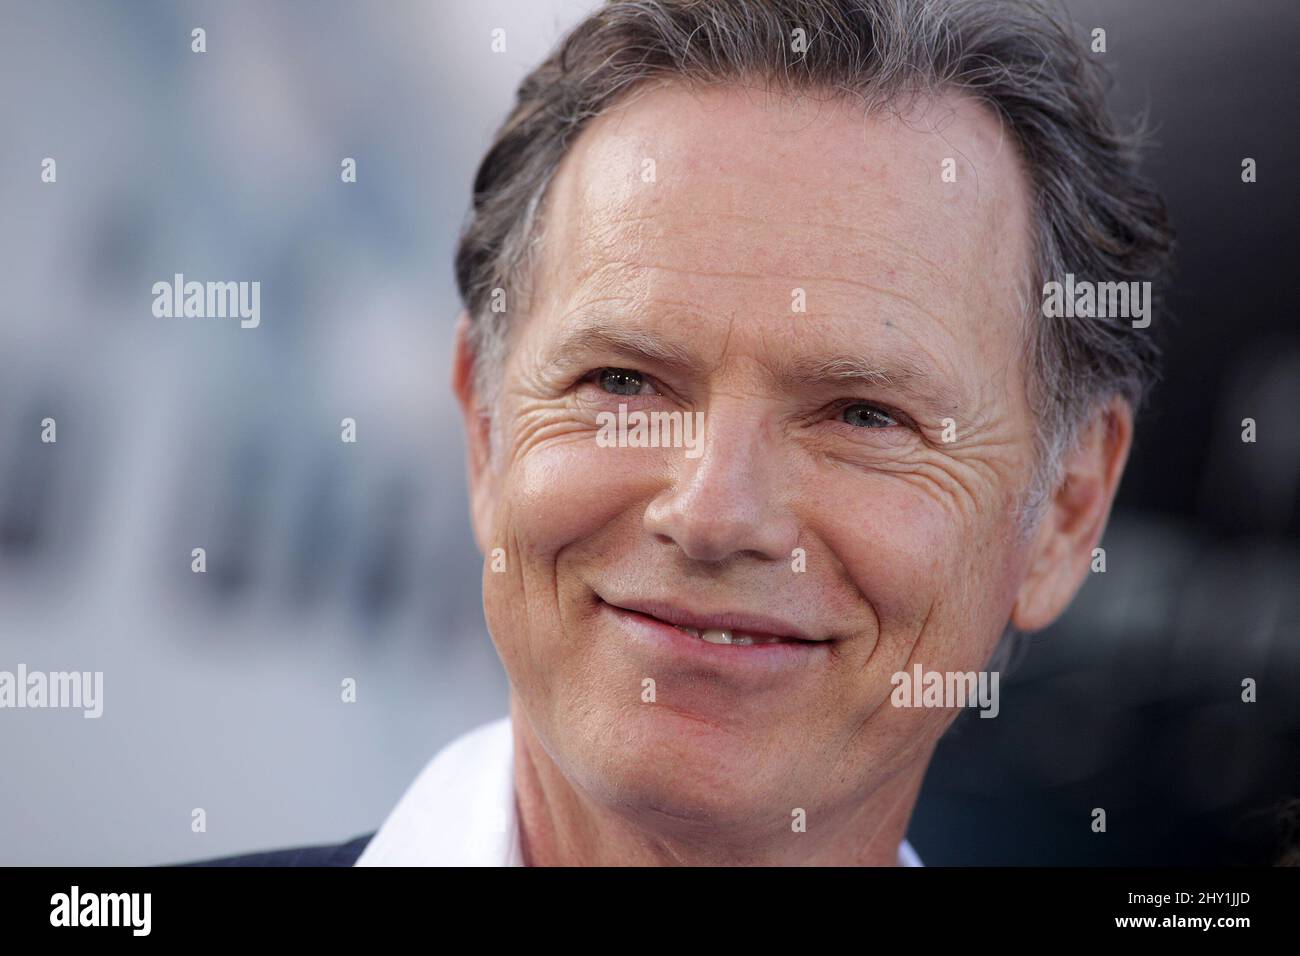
478,434
1075,518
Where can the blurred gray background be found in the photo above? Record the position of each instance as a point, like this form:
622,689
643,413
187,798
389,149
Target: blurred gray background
328,560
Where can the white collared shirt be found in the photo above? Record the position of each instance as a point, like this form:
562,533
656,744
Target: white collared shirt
460,811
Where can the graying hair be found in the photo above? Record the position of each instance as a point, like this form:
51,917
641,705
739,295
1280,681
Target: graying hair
1094,216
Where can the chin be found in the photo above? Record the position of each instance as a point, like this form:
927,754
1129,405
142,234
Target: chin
681,769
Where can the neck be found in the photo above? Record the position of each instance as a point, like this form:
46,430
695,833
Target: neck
561,825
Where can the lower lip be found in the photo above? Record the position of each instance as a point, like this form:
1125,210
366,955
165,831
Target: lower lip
771,658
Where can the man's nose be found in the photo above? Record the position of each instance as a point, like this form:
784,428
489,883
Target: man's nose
733,499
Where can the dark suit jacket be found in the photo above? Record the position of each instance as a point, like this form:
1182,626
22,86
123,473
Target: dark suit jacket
330,854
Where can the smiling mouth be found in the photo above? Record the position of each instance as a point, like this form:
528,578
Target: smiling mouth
727,629
717,635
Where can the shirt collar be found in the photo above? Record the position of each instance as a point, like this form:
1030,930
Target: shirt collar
460,811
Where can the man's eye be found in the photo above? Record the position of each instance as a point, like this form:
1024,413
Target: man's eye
866,416
621,381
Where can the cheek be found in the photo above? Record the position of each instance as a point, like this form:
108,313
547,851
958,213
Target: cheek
564,493
894,543
936,584
564,507
939,584
558,503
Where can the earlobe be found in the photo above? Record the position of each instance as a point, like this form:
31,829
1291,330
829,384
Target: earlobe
1027,614
1076,517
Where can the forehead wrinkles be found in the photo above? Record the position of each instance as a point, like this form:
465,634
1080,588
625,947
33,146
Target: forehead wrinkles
703,216
850,315
620,264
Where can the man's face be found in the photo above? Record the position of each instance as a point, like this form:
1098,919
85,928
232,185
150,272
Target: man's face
807,279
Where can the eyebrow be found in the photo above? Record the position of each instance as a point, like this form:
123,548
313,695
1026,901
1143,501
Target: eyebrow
633,343
901,373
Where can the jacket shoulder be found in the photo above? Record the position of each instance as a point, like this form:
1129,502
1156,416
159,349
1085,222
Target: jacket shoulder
328,854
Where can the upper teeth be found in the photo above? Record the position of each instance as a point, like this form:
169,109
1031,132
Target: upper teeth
717,635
